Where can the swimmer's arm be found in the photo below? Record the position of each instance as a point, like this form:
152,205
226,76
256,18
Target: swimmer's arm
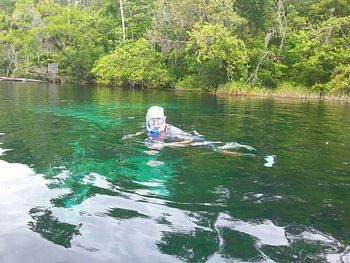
180,144
133,135
185,142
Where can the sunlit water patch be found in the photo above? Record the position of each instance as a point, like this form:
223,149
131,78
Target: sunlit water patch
73,190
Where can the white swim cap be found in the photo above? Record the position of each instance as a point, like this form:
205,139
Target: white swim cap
155,112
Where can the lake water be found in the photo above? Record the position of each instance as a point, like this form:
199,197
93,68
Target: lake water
72,190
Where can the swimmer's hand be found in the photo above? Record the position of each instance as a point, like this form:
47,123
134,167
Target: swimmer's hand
235,154
125,137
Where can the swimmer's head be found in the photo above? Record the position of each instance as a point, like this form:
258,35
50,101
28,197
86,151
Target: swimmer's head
155,119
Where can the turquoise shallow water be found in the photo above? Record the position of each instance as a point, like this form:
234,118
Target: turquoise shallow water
73,191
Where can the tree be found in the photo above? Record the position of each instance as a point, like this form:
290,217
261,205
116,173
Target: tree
122,16
139,17
258,13
174,19
313,54
340,80
215,55
137,64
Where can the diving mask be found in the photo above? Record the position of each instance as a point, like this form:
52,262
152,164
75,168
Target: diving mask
155,119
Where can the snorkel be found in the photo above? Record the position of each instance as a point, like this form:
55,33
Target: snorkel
155,120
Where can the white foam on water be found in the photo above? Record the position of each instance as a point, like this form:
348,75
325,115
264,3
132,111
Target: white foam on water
3,151
59,167
270,160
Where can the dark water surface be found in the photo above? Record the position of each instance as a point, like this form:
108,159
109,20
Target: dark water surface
72,190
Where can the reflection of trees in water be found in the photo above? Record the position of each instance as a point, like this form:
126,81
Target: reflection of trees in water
195,247
79,193
123,214
209,239
200,245
51,228
239,245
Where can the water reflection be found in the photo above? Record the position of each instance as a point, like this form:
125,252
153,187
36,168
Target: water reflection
72,188
50,228
196,246
189,236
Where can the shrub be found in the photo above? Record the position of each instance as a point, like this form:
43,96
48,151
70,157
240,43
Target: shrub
135,64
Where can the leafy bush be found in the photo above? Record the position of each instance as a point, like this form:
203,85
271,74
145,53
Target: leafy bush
216,56
135,64
340,82
190,82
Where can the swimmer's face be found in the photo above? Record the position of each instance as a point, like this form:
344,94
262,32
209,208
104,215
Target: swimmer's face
156,124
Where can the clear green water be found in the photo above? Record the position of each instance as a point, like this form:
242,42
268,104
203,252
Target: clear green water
73,191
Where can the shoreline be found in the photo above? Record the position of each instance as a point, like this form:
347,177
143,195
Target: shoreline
298,96
256,92
22,80
266,95
283,90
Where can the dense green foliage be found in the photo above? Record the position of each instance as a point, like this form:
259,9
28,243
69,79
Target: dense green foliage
136,64
215,56
183,43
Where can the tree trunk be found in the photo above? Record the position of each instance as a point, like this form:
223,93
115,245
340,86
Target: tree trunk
123,22
254,76
282,26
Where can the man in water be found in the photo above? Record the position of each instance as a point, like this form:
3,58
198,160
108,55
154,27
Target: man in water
158,130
